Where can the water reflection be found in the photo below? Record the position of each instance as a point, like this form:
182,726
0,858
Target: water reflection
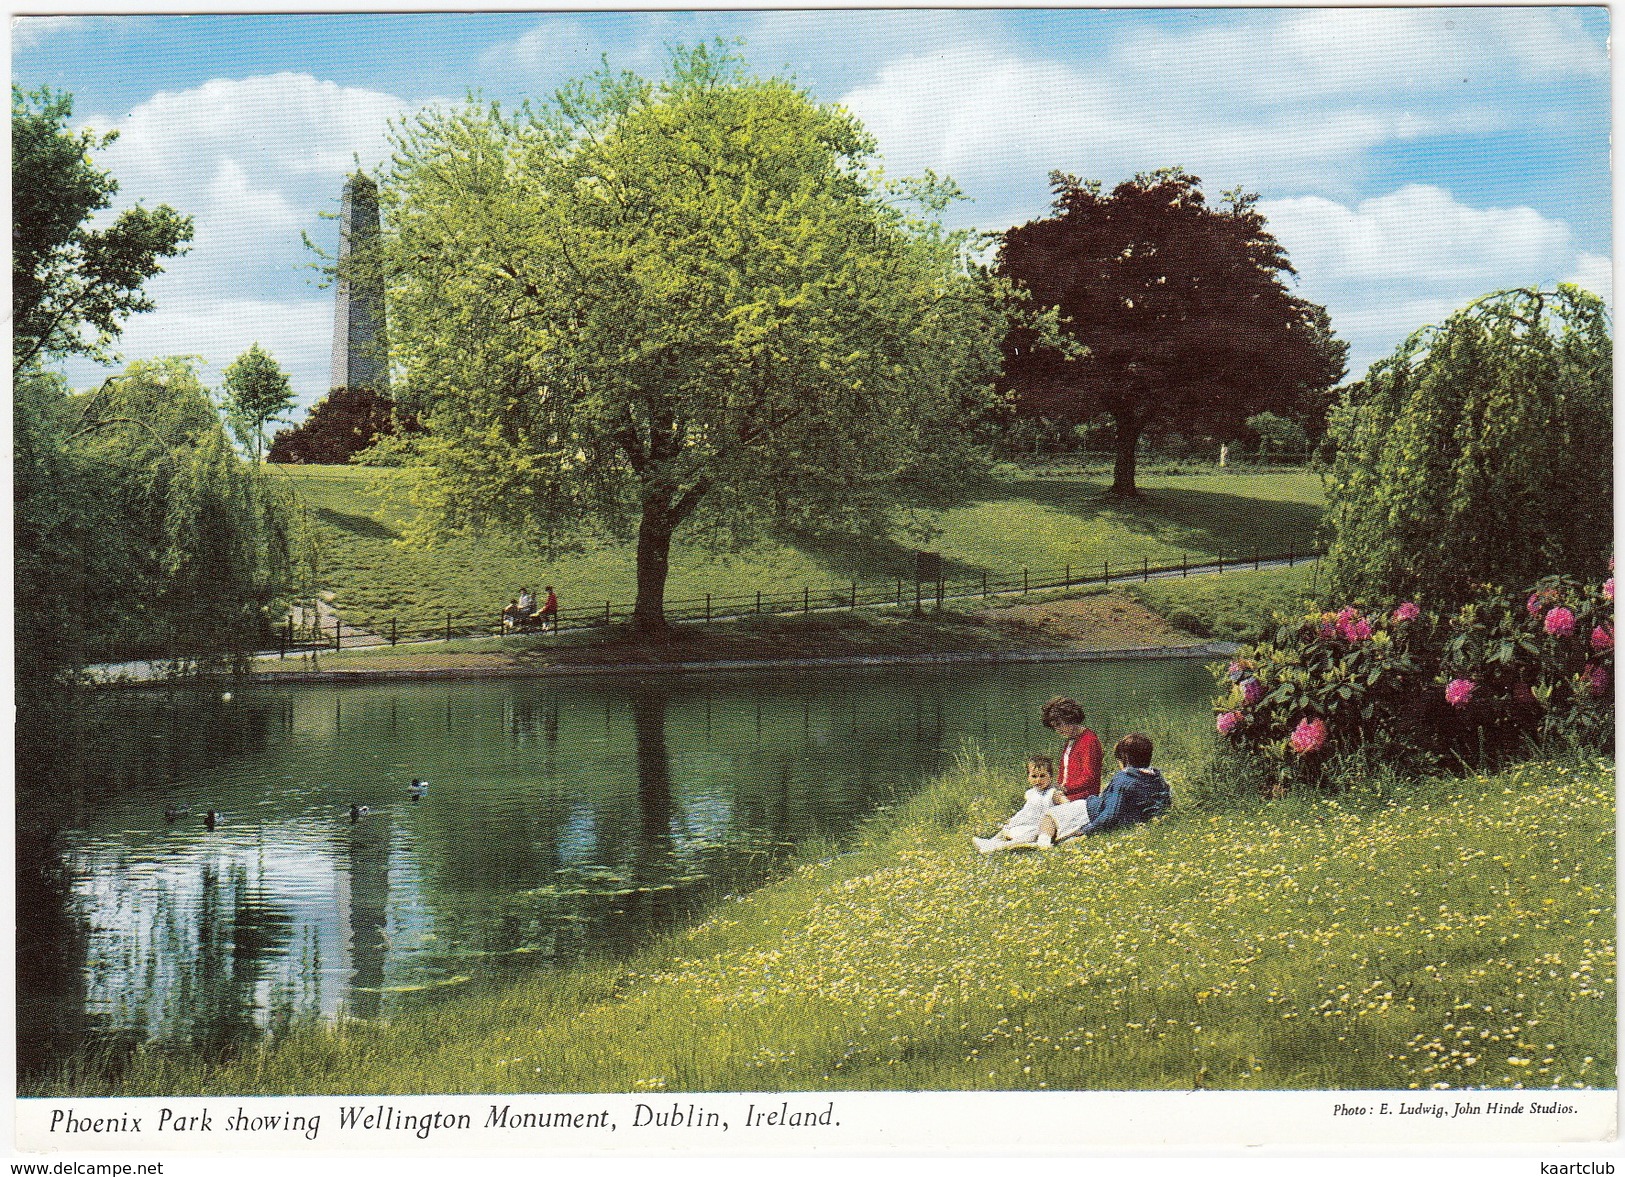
563,820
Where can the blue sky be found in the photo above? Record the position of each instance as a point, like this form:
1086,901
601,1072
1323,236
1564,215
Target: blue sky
1408,159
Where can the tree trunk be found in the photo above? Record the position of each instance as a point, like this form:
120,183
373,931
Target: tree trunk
1128,439
654,562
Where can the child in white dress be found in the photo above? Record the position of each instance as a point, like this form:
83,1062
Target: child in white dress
1022,828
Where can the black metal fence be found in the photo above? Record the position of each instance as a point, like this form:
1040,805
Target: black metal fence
916,594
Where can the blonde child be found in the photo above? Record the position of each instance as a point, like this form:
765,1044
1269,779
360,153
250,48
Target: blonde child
1022,828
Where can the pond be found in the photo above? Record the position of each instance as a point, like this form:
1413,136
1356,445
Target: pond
564,820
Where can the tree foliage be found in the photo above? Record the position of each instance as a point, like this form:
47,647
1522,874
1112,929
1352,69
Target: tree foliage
1478,453
340,426
689,302
256,392
72,286
1171,313
139,532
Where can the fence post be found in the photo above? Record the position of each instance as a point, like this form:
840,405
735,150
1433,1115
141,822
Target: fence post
1026,586
1107,565
806,599
1184,568
708,606
1255,559
758,600
1145,569
448,625
899,592
1289,555
984,586
1069,576
392,631
939,592
1221,564
917,609
338,633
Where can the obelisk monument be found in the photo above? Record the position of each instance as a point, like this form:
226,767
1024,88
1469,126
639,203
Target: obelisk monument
360,345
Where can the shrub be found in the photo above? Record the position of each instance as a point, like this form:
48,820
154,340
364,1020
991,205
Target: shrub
1488,425
1332,692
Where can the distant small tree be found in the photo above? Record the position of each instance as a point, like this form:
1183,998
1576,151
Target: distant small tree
1277,436
1478,453
257,391
340,426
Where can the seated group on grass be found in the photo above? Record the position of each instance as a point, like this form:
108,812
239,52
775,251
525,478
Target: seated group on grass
1075,804
521,612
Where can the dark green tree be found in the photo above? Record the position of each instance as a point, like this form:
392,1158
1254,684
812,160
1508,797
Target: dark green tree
1479,453
256,393
1171,314
340,426
72,286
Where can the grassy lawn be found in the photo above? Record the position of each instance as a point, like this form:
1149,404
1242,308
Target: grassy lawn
1416,934
1229,607
1038,522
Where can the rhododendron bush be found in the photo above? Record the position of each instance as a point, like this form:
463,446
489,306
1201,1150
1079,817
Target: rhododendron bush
1405,687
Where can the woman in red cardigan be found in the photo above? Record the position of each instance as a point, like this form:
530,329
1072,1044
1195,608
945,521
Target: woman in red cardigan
1080,761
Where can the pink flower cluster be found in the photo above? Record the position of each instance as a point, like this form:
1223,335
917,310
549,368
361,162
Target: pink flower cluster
1251,692
1228,722
1602,638
1408,611
1309,736
1608,589
1597,679
1459,691
1559,622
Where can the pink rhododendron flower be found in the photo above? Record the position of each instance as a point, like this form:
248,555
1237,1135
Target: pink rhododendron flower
1357,629
1608,589
1309,736
1602,638
1251,692
1458,691
1228,722
1407,612
1597,677
1533,605
1559,622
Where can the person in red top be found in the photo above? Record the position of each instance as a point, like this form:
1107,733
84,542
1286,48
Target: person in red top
550,610
1081,759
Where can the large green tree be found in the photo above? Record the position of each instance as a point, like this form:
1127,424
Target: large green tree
1171,313
256,392
1478,453
690,302
72,286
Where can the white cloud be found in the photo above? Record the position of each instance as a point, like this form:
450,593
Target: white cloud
1386,266
556,49
298,334
1419,233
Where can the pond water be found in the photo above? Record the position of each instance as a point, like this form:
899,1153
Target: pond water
563,820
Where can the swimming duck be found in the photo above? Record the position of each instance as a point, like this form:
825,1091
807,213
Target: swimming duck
357,812
212,818
418,789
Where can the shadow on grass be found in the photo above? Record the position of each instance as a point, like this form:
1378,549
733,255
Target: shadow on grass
865,558
360,526
1195,520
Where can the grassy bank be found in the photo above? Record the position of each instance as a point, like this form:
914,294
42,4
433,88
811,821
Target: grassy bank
1007,524
1229,607
1408,935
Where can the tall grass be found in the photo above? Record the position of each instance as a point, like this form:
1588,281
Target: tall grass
1457,934
1235,606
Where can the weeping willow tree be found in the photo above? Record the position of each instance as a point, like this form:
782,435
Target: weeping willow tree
1479,453
139,532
